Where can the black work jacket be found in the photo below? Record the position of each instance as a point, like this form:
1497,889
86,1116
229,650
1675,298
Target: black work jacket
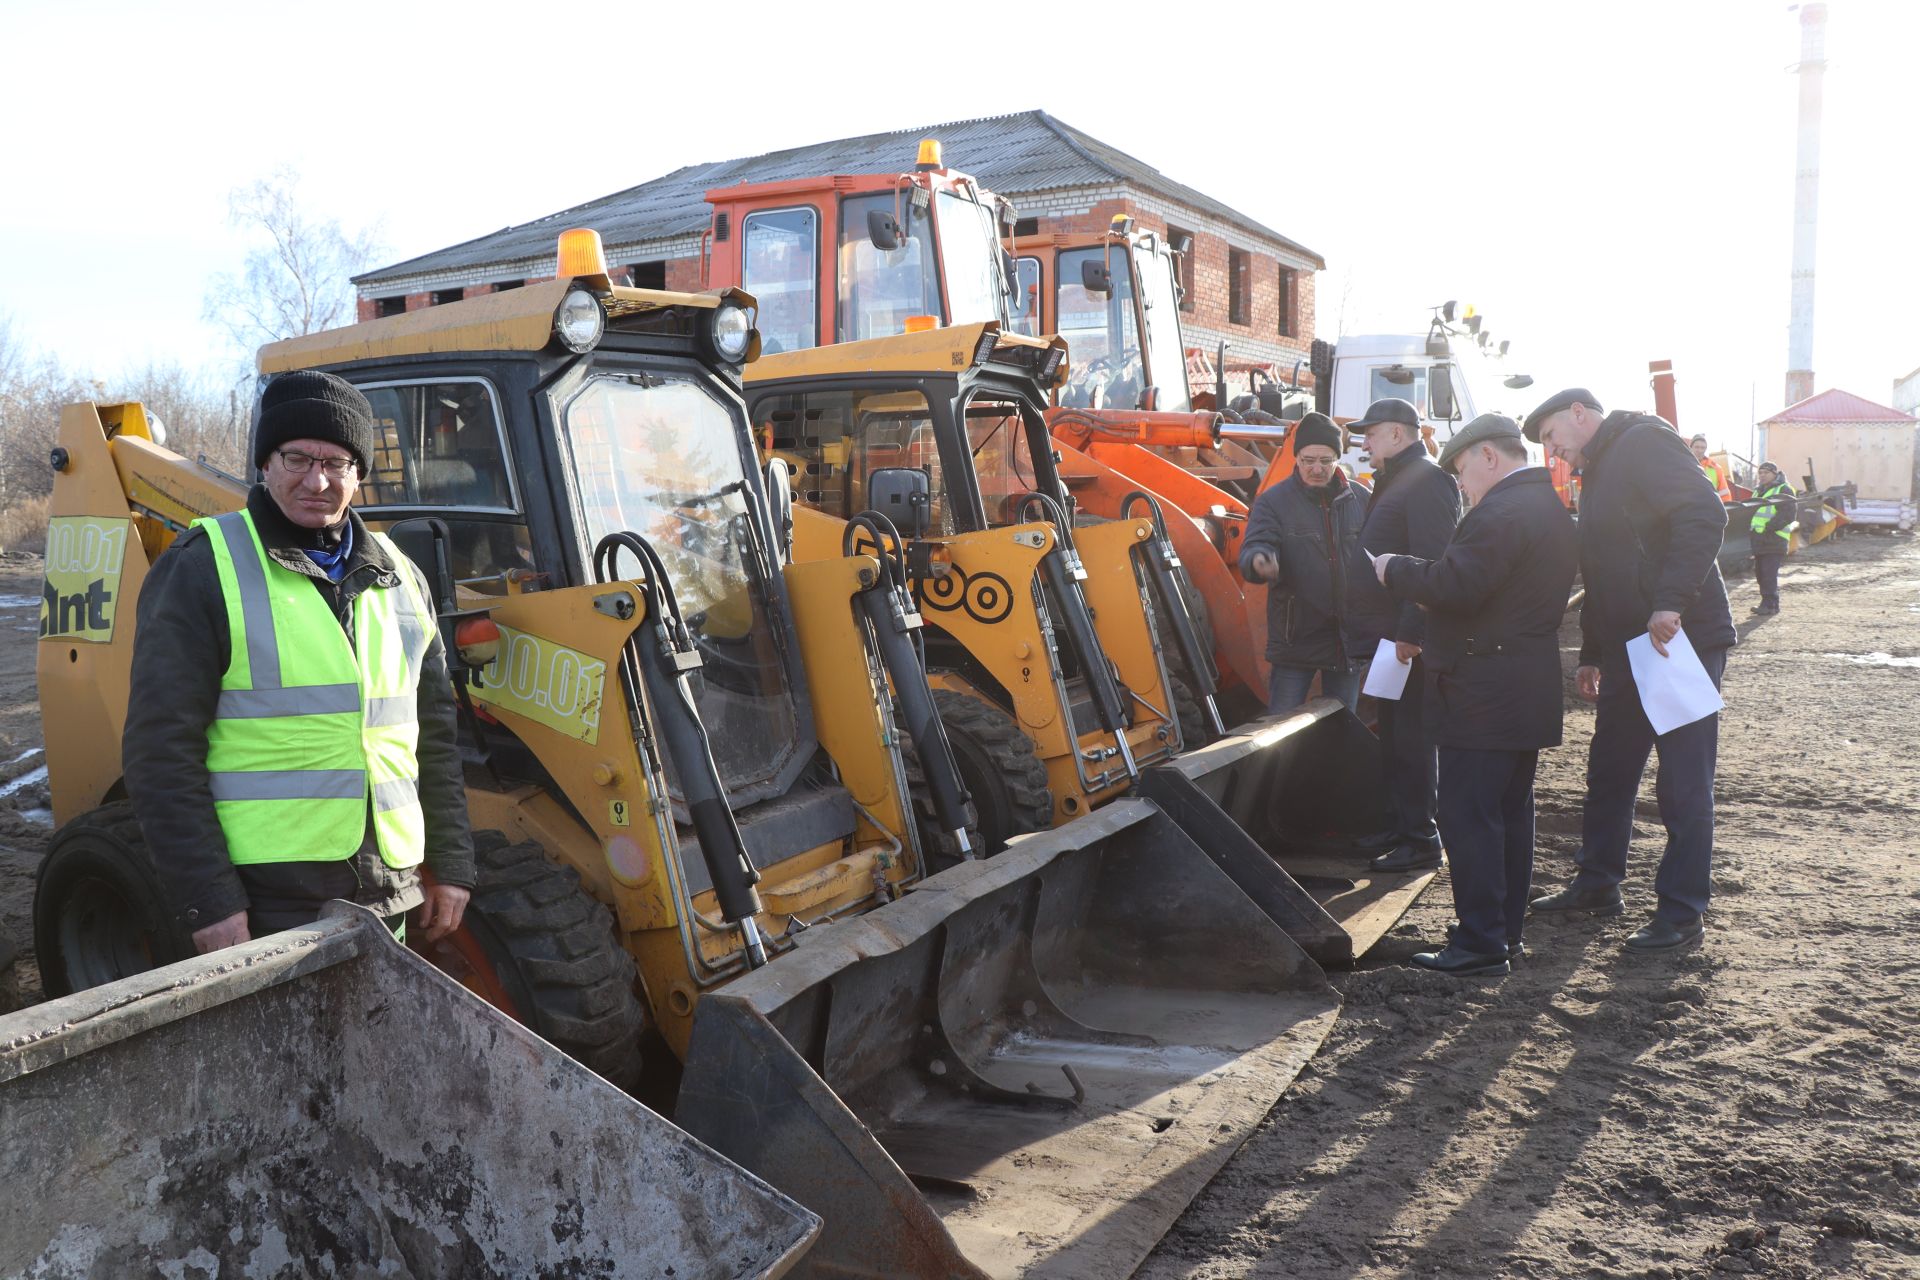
1314,536
181,648
1495,602
1651,525
1413,511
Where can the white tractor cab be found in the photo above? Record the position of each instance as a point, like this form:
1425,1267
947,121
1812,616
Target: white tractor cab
1451,375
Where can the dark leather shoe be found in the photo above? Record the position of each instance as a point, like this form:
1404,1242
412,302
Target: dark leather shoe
1602,901
1516,949
1662,935
1460,963
1408,857
1376,841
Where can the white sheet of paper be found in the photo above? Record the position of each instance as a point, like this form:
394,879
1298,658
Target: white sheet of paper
1387,677
1674,690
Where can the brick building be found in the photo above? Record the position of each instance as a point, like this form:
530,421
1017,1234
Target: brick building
1246,284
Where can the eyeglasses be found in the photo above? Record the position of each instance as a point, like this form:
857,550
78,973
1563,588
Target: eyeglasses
298,464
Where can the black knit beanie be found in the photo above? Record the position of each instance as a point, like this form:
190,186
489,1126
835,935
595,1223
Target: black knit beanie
309,405
1318,428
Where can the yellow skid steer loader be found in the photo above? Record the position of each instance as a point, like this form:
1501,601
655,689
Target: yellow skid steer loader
685,767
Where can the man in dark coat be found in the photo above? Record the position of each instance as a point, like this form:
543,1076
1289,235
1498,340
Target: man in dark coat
1303,541
313,445
1650,532
1494,602
1413,510
1770,531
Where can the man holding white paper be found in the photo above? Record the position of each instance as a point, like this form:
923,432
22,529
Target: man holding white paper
1650,531
1412,511
1494,602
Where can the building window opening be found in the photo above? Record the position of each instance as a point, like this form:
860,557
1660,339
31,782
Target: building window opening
1239,287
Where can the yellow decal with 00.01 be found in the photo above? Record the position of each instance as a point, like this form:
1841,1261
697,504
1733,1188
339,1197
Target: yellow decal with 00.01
547,683
84,557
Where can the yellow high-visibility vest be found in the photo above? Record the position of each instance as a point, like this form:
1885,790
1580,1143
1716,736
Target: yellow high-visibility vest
309,726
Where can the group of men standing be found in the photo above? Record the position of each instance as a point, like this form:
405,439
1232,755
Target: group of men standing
1474,604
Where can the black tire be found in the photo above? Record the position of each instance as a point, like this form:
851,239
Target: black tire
555,952
1002,772
937,844
1194,729
99,913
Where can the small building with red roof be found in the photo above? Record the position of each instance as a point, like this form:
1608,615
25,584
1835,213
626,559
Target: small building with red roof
1835,437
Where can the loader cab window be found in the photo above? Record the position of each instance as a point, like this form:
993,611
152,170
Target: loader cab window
438,448
1103,338
660,456
1000,434
780,267
833,442
1166,358
879,289
1025,306
970,258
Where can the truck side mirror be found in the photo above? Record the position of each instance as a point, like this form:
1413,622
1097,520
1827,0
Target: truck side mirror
1184,245
1095,278
1010,272
780,507
1440,392
1519,381
903,495
883,229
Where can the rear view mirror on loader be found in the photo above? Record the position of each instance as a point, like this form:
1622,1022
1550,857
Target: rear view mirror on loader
883,229
780,504
1095,278
904,496
1440,392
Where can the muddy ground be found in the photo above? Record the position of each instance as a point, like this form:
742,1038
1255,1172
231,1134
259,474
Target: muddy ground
1749,1108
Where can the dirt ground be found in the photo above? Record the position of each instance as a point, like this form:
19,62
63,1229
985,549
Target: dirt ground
1752,1107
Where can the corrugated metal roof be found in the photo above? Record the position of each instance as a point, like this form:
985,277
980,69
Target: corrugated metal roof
1839,406
1014,155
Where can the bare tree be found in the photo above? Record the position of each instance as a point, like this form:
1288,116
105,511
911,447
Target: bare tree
298,274
33,388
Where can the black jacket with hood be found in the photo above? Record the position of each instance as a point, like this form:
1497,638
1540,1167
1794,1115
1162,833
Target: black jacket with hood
1651,525
181,648
1314,536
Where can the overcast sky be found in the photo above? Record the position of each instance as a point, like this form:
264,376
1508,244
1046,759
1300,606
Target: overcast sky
1609,182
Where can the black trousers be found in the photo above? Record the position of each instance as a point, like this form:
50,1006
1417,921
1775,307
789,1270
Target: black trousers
1766,572
1486,818
1409,767
1682,786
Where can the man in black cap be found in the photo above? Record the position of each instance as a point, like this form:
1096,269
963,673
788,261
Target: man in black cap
1494,602
1413,511
292,736
1303,541
1770,532
1650,532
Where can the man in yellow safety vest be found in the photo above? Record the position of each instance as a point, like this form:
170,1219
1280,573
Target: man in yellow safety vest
1770,530
291,735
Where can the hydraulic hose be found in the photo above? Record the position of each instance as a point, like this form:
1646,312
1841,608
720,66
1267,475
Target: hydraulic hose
1163,565
666,656
1064,573
895,624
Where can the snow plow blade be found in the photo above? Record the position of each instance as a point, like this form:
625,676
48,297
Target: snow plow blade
322,1101
1028,1066
1295,790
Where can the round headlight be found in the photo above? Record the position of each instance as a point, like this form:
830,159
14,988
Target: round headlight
156,429
732,331
579,321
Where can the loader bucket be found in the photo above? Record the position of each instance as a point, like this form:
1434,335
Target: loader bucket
1026,1067
323,1102
1295,790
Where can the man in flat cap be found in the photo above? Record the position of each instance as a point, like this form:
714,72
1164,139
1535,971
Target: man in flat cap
1303,541
1650,532
1495,600
292,738
1770,531
1413,510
